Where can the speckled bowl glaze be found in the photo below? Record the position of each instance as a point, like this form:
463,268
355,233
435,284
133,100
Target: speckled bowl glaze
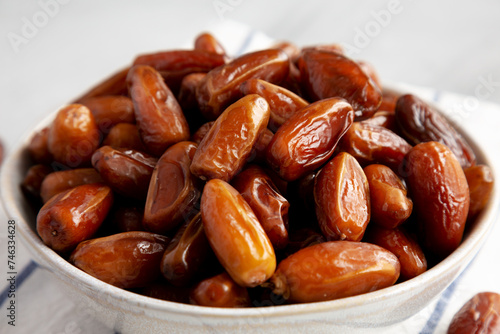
127,312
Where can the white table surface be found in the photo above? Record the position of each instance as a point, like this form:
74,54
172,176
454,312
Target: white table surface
452,46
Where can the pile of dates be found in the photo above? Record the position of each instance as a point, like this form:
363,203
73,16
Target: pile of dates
286,175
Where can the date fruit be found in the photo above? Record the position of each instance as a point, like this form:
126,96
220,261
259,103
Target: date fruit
342,199
126,260
335,269
479,315
73,216
308,139
220,291
225,148
440,196
236,235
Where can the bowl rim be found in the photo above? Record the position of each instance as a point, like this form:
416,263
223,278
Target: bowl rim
52,261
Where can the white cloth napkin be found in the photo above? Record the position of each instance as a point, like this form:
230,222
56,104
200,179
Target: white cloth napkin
43,308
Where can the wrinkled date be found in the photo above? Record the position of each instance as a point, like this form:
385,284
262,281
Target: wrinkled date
329,74
159,117
308,139
420,122
440,194
225,148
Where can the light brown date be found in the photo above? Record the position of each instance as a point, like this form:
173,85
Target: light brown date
235,235
73,136
308,139
374,144
440,196
173,191
127,171
221,86
225,148
400,243
159,117
73,216
282,102
390,205
479,315
420,122
60,181
270,207
342,198
335,269
480,180
220,291
331,74
126,260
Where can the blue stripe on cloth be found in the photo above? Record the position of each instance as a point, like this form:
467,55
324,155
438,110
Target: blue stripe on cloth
439,309
20,278
246,43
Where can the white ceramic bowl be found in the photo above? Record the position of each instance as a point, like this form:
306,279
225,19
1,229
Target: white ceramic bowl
127,312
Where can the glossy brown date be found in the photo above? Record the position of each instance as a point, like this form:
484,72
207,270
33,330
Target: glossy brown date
159,117
282,102
221,86
187,91
124,135
127,171
420,122
383,118
390,205
127,217
331,74
374,144
73,216
479,315
220,291
202,131
308,139
225,148
481,181
60,181
187,254
342,199
235,235
270,207
73,136
440,196
110,110
173,191
335,269
400,243
126,260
